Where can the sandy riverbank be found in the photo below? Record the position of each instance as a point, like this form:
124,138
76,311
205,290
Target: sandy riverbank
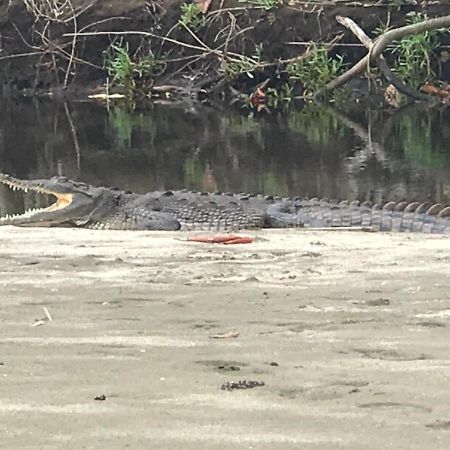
348,330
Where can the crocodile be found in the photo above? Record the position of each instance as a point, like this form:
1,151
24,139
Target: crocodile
77,204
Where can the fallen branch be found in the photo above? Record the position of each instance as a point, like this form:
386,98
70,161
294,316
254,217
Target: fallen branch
381,43
381,61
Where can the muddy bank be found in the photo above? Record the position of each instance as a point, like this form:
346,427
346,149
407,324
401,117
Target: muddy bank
348,331
53,61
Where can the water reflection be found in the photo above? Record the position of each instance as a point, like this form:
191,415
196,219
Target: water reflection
314,151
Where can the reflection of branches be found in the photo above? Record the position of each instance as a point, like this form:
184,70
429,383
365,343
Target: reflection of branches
74,135
378,151
371,149
394,118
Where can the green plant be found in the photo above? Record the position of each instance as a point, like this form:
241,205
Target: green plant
413,54
280,98
125,71
245,65
119,65
265,4
192,16
315,70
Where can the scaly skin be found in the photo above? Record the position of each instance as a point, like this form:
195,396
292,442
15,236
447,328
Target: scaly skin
82,205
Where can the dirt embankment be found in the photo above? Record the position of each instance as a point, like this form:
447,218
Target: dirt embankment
51,60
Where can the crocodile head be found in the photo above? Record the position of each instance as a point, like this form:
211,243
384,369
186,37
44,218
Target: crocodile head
73,201
78,204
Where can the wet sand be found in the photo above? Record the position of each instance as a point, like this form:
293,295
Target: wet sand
349,331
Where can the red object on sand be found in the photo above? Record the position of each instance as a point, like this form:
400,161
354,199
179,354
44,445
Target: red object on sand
222,239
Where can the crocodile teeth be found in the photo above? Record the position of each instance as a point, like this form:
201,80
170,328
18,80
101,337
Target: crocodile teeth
29,212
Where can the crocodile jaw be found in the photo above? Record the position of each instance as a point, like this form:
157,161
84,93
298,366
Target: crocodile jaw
63,200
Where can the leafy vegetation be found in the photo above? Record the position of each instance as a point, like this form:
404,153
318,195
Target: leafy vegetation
280,98
192,16
126,71
246,65
315,70
413,53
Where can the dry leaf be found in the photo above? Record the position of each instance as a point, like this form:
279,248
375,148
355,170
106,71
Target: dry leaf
392,96
258,97
204,5
435,91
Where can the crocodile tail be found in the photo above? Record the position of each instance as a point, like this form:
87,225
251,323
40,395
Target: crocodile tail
392,216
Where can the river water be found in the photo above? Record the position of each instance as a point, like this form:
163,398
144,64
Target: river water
367,155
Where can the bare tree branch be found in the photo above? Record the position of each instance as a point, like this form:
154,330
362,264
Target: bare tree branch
381,61
382,42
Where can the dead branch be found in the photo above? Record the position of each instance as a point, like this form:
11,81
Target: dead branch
382,42
46,13
381,61
74,43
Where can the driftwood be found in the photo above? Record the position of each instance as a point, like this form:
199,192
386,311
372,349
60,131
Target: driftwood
382,42
381,61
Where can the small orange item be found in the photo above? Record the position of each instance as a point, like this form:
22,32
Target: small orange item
240,240
222,239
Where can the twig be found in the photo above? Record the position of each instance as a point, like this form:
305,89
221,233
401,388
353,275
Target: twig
216,52
74,43
21,55
306,43
196,38
136,33
99,22
50,44
49,317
